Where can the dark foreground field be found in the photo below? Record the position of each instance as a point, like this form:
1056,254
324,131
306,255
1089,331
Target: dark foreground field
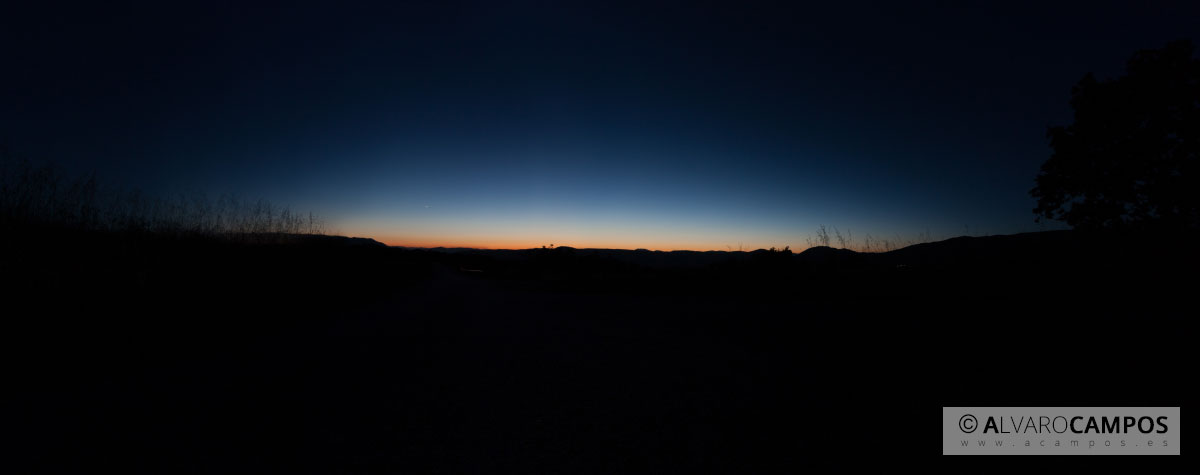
323,355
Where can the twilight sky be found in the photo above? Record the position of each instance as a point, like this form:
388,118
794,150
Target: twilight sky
683,125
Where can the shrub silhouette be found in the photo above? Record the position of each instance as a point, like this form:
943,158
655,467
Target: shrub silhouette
40,195
1129,160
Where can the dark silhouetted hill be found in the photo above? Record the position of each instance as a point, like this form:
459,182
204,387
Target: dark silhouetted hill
272,352
1019,263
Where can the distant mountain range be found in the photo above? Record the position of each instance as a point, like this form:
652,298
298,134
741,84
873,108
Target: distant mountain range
1055,248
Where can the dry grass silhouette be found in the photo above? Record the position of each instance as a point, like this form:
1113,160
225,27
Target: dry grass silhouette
41,195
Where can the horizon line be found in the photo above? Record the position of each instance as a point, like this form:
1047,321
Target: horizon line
798,249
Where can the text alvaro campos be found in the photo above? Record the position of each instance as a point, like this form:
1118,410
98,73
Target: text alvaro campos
1060,431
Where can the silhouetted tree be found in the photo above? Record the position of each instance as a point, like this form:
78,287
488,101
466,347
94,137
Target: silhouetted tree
1130,158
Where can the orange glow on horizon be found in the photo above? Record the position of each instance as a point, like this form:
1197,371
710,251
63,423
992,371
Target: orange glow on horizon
535,236
516,245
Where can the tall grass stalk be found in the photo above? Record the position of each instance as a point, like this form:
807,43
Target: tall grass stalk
41,195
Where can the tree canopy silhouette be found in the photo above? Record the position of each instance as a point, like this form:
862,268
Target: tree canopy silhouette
1130,157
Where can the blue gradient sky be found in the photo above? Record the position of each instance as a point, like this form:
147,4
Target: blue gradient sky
498,124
